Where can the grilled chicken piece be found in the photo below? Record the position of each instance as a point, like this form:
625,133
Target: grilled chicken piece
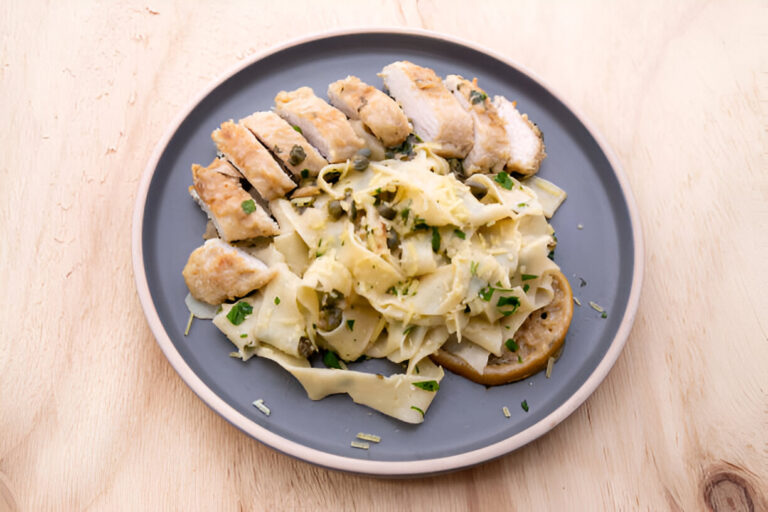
526,144
285,142
435,113
216,272
378,151
380,113
253,160
232,210
325,127
490,151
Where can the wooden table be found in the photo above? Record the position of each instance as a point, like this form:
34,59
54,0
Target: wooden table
93,416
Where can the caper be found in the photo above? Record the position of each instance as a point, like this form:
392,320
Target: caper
332,177
387,211
387,195
365,152
478,189
297,155
360,163
393,239
330,318
305,347
335,210
456,166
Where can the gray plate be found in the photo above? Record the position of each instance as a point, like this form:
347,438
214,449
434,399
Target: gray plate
465,424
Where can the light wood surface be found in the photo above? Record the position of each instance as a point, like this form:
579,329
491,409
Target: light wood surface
92,416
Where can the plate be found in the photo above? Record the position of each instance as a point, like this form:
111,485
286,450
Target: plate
465,424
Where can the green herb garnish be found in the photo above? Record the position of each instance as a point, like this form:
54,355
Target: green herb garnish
528,277
526,287
519,359
486,293
419,223
476,97
509,301
417,409
298,129
244,335
473,267
604,315
512,345
504,180
277,300
331,360
404,213
248,206
524,405
459,233
408,330
427,385
435,239
238,312
350,324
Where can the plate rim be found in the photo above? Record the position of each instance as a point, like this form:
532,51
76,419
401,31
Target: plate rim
350,464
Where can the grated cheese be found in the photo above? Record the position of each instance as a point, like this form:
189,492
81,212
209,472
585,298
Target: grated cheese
596,307
577,301
550,365
369,437
189,323
505,410
359,444
259,404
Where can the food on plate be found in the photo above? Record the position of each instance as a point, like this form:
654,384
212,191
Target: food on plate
380,113
436,115
325,127
217,271
390,251
490,148
245,152
526,144
539,339
232,210
286,143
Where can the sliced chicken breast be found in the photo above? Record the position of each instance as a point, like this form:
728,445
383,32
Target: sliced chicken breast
435,113
232,210
216,272
253,160
325,127
526,144
380,113
286,143
375,146
490,150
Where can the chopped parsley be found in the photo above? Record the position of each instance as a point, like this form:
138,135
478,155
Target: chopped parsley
435,239
408,330
528,277
512,345
404,213
238,312
244,335
331,360
298,129
277,300
427,385
476,97
459,233
504,180
524,405
604,315
417,409
419,223
486,293
508,301
248,206
526,287
522,205
473,267
519,359
350,324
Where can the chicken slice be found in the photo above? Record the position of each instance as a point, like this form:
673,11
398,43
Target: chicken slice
490,150
526,144
216,272
435,113
325,127
380,113
285,142
253,160
232,210
374,145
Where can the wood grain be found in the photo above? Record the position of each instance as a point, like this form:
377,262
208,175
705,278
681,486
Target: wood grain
93,417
